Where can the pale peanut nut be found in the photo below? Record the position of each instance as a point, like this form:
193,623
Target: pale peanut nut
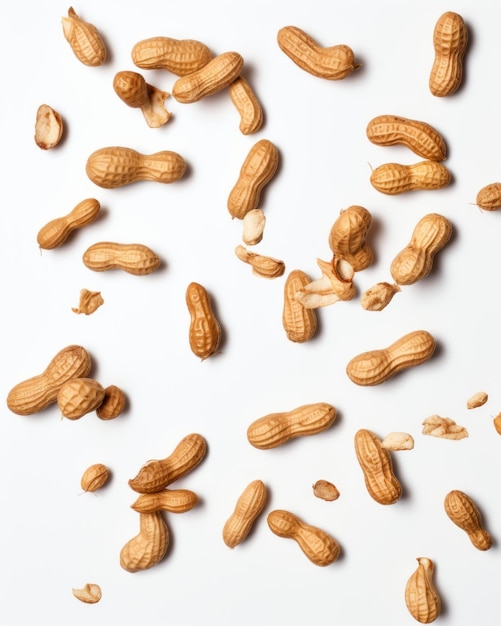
116,166
258,168
49,127
89,302
38,392
275,429
396,178
132,89
90,593
415,261
113,403
421,596
347,237
57,231
133,258
336,284
248,507
398,441
213,77
333,63
79,396
94,477
443,427
377,467
377,366
84,39
325,490
461,509
170,500
262,265
379,296
299,322
178,56
253,227
476,400
489,197
205,332
247,104
420,137
318,545
149,546
157,474
450,39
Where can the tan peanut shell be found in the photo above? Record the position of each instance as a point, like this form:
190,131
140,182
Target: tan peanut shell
88,302
375,460
247,104
170,500
248,507
49,127
37,393
415,261
376,366
179,56
116,166
94,477
450,38
113,403
84,39
258,168
90,593
132,89
299,323
333,63
420,137
133,258
204,331
215,76
461,509
57,231
262,265
319,546
275,429
79,396
347,237
149,546
157,474
395,178
421,596
489,197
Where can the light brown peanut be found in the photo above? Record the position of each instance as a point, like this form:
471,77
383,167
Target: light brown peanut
179,56
215,76
450,39
443,427
247,104
133,258
421,596
132,89
262,265
94,477
377,467
116,166
347,237
376,366
319,546
461,510
84,39
476,400
57,231
420,137
415,261
249,506
258,168
299,322
171,500
325,490
36,393
377,297
395,178
204,331
90,593
275,429
333,63
149,546
79,396
253,227
489,197
398,441
157,474
89,302
49,127
113,403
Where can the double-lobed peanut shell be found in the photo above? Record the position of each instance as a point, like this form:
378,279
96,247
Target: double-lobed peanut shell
421,595
395,178
248,507
204,330
462,510
133,258
179,56
57,231
149,546
450,39
170,500
79,396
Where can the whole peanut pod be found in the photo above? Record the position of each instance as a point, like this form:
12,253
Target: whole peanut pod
94,477
375,461
133,258
116,166
171,500
247,104
37,393
489,197
421,596
179,56
249,506
450,38
57,231
149,546
461,509
205,331
347,237
395,178
84,39
299,322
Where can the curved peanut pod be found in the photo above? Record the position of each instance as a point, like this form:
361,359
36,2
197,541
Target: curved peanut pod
248,106
421,596
84,39
171,500
450,38
249,506
55,232
179,56
375,461
205,331
461,509
133,258
299,322
149,546
376,366
395,178
276,429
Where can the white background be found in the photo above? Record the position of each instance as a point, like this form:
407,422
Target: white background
54,537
